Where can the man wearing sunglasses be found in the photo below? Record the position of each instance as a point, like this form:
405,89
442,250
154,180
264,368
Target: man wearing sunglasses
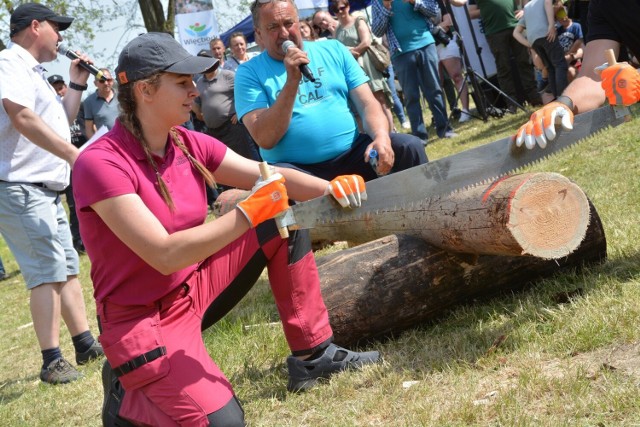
101,107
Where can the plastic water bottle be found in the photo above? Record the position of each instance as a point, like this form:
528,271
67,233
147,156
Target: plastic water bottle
373,160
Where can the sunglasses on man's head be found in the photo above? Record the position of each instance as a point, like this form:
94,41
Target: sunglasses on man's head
257,2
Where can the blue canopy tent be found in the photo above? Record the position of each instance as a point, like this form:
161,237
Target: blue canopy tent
246,25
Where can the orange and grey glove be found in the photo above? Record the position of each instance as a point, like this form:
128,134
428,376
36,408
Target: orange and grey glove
621,83
348,190
267,199
541,124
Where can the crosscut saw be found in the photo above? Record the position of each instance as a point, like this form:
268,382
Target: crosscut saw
469,168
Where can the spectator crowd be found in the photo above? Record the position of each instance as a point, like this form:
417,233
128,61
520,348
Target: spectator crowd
328,130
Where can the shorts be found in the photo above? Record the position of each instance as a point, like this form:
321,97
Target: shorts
451,50
34,224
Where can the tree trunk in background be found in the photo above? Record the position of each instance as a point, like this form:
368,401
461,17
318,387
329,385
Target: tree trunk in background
154,18
397,282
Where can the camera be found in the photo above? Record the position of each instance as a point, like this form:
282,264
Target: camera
440,35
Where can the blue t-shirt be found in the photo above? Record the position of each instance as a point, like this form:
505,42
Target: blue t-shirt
410,27
322,126
568,36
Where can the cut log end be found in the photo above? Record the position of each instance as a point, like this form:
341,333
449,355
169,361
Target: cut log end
548,216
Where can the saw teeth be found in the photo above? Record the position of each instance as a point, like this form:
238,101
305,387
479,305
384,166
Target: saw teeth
463,179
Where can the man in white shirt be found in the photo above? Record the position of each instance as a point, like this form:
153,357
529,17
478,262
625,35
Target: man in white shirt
36,156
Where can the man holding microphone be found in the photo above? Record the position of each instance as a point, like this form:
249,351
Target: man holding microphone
35,162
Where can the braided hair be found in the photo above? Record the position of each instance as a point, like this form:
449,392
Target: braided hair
130,120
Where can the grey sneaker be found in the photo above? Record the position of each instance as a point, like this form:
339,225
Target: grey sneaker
303,374
94,352
449,134
59,372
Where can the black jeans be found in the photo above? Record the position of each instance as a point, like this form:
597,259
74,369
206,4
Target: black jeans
503,46
552,56
408,151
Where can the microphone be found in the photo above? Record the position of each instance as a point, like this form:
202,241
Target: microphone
304,68
62,49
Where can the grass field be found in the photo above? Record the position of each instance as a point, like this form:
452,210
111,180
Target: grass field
572,364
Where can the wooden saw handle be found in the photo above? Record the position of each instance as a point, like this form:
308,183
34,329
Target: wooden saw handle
266,173
610,57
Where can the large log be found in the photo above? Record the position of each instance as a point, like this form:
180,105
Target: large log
399,281
539,214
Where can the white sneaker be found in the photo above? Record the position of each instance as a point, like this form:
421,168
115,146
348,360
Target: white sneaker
465,116
406,125
450,134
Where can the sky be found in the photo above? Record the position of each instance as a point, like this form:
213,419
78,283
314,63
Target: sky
110,43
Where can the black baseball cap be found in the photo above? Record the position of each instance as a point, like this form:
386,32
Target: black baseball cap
150,53
207,54
55,78
26,13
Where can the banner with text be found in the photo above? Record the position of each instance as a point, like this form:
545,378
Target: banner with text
197,24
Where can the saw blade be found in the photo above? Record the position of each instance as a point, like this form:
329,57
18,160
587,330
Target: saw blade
469,168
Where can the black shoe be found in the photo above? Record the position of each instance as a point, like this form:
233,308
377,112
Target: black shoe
93,352
303,374
79,247
113,395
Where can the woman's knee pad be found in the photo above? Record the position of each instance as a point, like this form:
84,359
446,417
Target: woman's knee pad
230,415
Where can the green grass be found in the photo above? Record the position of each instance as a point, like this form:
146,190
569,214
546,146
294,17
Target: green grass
574,364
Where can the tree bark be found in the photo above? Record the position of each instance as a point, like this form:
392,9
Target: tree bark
399,281
153,16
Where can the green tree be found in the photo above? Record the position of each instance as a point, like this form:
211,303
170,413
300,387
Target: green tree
228,13
91,18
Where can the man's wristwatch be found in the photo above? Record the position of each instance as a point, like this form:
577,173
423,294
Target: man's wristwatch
76,86
563,99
